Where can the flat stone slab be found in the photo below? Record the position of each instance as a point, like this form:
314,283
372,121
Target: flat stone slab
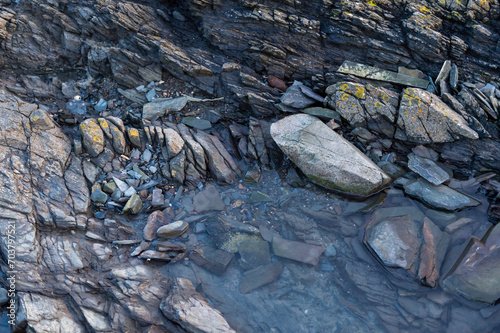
260,276
374,73
326,158
303,252
439,197
428,169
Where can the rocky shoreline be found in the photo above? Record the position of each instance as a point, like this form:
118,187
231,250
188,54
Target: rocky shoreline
163,175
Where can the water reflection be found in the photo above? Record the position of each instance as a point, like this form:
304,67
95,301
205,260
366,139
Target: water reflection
349,290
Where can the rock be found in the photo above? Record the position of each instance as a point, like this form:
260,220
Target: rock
213,260
253,254
171,230
427,169
191,311
454,226
260,276
92,137
252,175
326,158
444,73
174,142
373,73
306,253
410,241
374,108
425,152
424,118
156,255
323,113
101,105
208,200
476,274
133,205
99,196
109,187
158,199
293,179
160,106
134,137
156,220
277,83
295,98
201,124
118,139
228,233
439,197
259,197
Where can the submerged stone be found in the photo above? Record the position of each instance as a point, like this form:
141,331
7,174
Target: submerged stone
254,254
326,158
260,276
208,200
427,169
211,259
298,251
439,197
476,274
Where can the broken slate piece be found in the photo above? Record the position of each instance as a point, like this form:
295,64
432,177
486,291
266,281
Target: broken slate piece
444,72
201,124
439,197
303,252
208,200
427,169
295,98
213,260
99,196
260,276
374,73
133,205
254,254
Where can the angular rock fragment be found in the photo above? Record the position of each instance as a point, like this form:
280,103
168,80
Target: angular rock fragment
213,260
439,197
295,98
326,158
405,238
254,254
207,200
185,306
92,136
228,233
260,276
303,252
424,118
174,229
156,220
133,205
476,274
173,141
427,169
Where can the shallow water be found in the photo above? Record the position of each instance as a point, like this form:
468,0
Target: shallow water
348,292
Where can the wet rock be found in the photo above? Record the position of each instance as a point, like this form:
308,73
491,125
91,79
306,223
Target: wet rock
211,259
259,197
171,230
293,179
406,239
156,220
427,169
208,200
191,311
228,233
156,255
295,98
306,253
252,175
99,196
77,106
260,276
92,136
439,197
424,118
197,123
326,158
253,254
374,108
133,205
476,274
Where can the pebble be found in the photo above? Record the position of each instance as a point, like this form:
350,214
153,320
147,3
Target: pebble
99,196
134,205
172,230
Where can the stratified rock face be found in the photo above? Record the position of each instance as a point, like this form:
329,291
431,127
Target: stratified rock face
476,275
326,158
424,118
187,307
365,106
405,238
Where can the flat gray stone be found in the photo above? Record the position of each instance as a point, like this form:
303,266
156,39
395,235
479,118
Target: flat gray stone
160,106
211,259
323,113
326,158
303,252
260,276
295,98
208,200
428,169
439,197
201,124
254,254
174,229
99,196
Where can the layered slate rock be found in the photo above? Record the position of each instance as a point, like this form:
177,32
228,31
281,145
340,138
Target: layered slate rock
440,196
326,158
404,238
367,106
428,169
190,310
476,274
424,118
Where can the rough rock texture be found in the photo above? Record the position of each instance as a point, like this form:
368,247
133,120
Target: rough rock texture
326,158
424,118
187,307
405,238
